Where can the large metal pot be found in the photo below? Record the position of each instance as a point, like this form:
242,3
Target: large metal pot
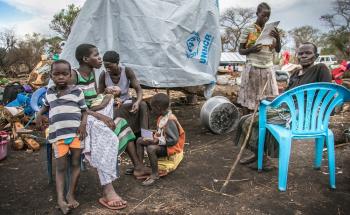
219,115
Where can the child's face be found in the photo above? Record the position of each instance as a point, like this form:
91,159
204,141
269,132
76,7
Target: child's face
61,74
263,16
110,67
156,109
94,60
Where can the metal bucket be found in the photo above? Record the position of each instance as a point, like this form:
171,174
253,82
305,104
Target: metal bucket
219,115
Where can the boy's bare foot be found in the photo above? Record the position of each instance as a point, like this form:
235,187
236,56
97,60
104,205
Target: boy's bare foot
65,208
111,197
71,200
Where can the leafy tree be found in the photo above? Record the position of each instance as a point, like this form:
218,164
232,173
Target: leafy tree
337,41
19,55
234,20
305,34
30,49
63,21
7,46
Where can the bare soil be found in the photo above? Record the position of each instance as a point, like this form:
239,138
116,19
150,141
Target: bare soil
24,187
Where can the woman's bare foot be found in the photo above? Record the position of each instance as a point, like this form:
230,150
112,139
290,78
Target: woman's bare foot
142,171
71,200
64,206
110,196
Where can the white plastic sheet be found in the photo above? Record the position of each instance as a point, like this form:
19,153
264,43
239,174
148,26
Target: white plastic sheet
168,43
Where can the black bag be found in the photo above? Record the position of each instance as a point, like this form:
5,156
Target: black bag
11,91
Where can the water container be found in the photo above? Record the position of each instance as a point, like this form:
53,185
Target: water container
219,115
3,144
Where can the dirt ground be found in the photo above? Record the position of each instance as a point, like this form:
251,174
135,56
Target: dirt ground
24,187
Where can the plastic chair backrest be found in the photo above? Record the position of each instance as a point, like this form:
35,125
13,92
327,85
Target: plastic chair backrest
311,105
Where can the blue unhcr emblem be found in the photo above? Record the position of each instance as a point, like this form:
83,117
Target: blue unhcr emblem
193,43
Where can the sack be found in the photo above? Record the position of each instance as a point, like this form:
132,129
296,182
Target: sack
11,91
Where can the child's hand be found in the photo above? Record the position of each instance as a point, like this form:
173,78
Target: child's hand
118,102
155,140
82,131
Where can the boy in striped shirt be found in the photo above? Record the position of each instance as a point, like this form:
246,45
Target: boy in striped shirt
67,127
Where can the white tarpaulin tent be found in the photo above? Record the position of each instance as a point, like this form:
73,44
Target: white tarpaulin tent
232,57
168,43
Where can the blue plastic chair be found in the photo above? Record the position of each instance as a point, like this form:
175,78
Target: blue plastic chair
310,107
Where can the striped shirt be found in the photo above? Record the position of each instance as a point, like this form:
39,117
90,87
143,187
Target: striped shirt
264,58
65,113
88,86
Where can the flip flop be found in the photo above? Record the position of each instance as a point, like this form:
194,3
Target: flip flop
103,202
129,171
160,174
149,181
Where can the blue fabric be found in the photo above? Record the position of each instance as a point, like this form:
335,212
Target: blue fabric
310,107
68,141
22,100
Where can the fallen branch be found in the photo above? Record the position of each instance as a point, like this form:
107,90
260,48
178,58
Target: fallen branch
243,146
142,201
210,144
217,180
216,192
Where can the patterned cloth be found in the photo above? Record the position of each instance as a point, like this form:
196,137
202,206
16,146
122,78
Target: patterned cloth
262,59
275,116
101,147
65,112
124,133
253,82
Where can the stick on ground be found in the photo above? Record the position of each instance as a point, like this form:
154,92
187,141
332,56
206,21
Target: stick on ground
222,190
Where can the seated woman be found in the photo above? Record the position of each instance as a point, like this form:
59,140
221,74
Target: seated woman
135,111
309,73
106,138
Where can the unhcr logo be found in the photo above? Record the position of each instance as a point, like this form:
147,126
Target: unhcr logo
205,50
196,49
193,43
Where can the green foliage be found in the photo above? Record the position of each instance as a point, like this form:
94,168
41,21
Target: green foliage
63,21
337,40
305,34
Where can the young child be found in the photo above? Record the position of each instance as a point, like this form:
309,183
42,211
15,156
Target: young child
67,126
259,62
169,138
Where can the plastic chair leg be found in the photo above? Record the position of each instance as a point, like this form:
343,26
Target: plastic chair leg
82,164
331,160
318,152
261,142
284,155
49,161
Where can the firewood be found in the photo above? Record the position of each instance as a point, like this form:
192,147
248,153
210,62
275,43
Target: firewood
31,143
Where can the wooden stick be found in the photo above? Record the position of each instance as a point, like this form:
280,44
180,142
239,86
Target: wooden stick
214,191
142,201
243,146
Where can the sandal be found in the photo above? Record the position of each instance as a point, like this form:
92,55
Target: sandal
149,181
103,202
129,171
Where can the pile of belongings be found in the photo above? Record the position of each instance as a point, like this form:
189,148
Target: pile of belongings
16,110
39,76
